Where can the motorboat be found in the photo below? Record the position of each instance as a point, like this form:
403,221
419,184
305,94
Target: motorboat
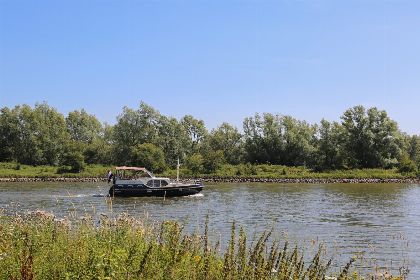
138,181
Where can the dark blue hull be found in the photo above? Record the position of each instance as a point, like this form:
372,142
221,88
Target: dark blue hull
144,191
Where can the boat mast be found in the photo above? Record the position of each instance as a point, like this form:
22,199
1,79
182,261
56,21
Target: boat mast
177,171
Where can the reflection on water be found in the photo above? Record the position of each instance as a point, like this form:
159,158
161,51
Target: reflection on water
379,221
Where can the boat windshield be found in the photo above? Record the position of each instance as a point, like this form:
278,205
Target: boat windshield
133,173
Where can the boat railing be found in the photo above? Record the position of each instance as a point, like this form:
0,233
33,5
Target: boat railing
195,181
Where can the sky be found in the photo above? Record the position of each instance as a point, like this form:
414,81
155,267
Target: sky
218,60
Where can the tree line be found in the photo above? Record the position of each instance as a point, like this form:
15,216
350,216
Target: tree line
364,138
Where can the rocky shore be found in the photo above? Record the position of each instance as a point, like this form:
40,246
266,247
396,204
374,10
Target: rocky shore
227,180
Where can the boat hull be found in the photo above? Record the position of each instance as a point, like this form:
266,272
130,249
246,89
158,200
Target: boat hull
144,191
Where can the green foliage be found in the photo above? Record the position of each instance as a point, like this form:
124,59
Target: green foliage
8,169
414,149
39,246
195,164
196,131
278,140
173,139
365,138
329,154
149,156
407,165
246,170
73,159
83,127
285,172
227,138
134,127
212,160
9,134
99,151
146,125
35,136
371,138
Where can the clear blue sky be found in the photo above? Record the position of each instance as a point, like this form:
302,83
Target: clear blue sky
216,60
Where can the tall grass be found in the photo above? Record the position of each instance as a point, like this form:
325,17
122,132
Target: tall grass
39,246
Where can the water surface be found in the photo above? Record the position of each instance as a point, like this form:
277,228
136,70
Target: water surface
380,222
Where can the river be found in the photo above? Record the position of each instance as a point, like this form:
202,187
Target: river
380,222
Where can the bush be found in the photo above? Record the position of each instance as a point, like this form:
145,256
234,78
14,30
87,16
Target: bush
247,169
407,165
73,159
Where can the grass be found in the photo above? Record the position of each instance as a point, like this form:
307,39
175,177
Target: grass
285,172
8,169
39,246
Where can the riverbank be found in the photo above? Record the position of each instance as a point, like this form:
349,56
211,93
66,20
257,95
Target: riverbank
231,180
263,173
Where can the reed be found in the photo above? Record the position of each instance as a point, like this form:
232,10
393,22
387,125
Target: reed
38,245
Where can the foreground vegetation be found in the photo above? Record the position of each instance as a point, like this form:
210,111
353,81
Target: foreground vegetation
39,246
15,170
363,139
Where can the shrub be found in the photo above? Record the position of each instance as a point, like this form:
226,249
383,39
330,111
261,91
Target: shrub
73,159
407,165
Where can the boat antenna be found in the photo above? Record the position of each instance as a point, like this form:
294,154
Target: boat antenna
177,170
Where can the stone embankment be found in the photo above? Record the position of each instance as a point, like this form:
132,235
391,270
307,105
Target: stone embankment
227,180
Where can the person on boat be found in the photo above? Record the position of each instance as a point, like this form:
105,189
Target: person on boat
110,176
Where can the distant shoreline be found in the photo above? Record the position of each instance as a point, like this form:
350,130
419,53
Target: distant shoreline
226,180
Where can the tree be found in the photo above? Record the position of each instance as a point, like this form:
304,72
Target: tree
227,139
329,146
262,138
134,127
299,142
196,131
173,139
212,160
99,151
83,127
88,132
371,138
149,156
35,136
9,134
414,149
278,140
51,133
195,163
